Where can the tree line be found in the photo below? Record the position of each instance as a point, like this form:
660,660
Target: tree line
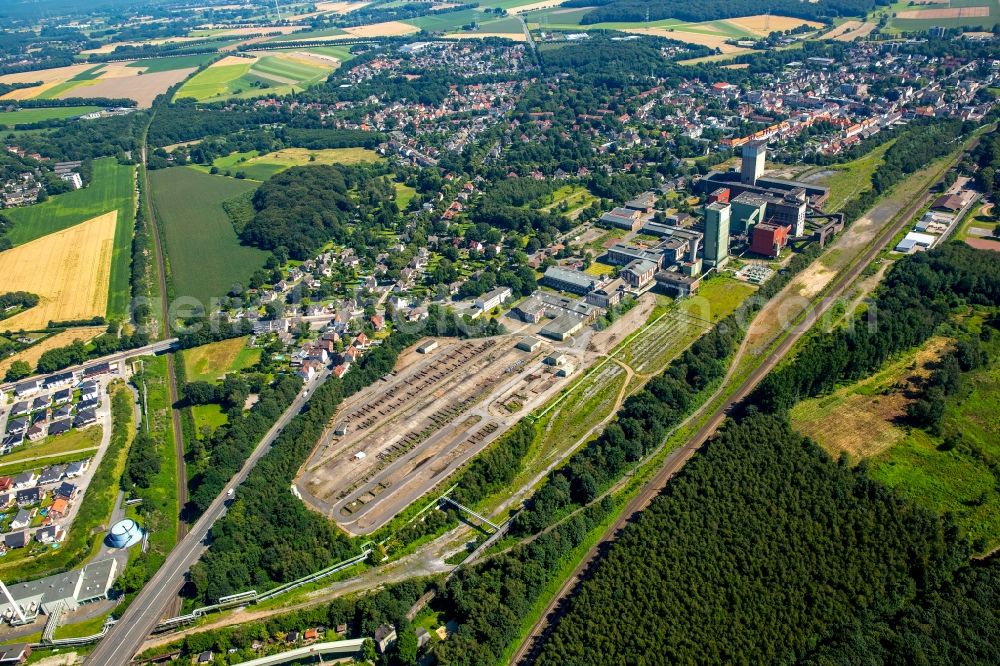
919,293
711,10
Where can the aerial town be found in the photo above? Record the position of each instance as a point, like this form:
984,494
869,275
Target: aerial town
451,333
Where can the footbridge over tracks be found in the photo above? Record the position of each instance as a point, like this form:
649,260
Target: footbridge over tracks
445,500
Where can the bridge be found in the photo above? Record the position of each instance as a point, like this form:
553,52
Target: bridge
445,499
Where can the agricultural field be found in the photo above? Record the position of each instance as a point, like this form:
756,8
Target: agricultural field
204,254
712,34
114,80
45,78
170,63
262,167
236,76
446,22
28,116
848,31
905,16
60,339
508,28
867,420
112,188
70,270
210,362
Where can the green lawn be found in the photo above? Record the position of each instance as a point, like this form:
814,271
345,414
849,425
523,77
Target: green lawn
210,416
404,195
342,53
448,21
26,116
73,441
112,188
161,496
209,362
204,254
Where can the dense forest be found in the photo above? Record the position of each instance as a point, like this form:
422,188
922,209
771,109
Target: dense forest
655,10
300,209
778,544
734,528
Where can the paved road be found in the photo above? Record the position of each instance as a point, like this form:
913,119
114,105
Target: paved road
154,348
529,649
147,608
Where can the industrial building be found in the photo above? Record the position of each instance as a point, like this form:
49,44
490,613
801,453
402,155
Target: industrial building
748,209
769,239
717,216
575,282
787,200
624,218
124,534
621,254
677,283
66,591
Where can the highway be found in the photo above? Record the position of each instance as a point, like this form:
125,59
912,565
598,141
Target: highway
146,610
528,650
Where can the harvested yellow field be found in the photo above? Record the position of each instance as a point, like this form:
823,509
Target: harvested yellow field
70,270
229,61
849,31
118,70
386,29
61,339
49,78
944,13
711,41
544,4
54,75
513,36
763,25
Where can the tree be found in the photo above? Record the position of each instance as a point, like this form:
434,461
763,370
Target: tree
17,370
406,646
368,651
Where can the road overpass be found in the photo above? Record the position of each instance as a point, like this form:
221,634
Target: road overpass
138,621
170,344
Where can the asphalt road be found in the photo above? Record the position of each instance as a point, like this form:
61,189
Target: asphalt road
529,649
147,609
154,348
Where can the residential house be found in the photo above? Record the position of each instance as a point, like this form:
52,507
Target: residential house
22,519
59,508
60,427
36,432
385,636
50,534
25,480
75,469
16,539
67,490
29,496
51,474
